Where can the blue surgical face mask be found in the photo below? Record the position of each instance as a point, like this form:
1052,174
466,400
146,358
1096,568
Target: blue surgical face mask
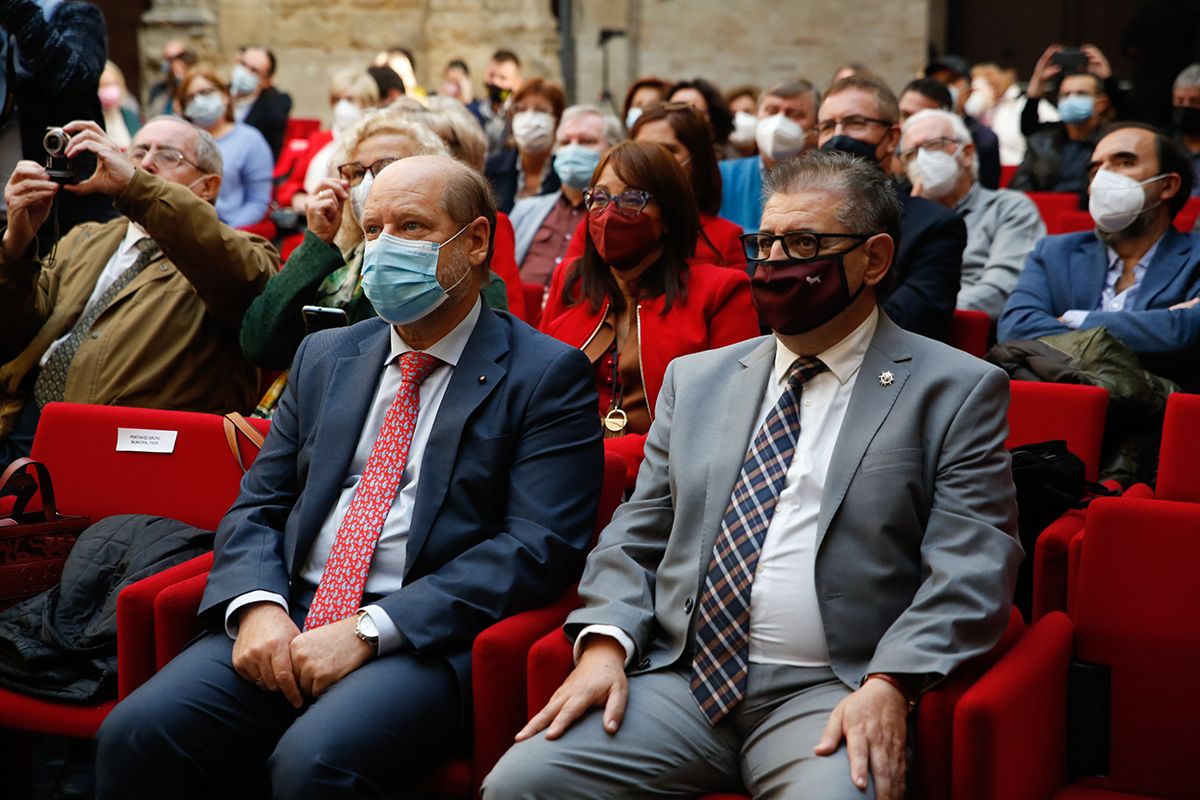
242,80
399,277
574,165
206,110
632,117
1076,109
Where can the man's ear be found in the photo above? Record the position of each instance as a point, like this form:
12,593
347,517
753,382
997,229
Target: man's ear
480,234
207,188
1171,184
879,250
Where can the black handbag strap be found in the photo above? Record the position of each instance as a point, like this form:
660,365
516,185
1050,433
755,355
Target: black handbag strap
45,486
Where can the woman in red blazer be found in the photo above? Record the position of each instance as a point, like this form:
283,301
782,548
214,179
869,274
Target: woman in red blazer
680,129
634,301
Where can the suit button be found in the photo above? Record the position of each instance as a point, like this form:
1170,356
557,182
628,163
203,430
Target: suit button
644,664
688,605
96,334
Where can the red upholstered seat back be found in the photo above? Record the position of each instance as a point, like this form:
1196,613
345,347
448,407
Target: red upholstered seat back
1137,611
969,331
1179,458
197,483
1039,412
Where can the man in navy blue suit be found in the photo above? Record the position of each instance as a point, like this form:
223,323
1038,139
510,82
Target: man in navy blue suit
351,686
1135,275
860,115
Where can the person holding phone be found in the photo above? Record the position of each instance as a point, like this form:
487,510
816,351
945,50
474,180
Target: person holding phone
1058,153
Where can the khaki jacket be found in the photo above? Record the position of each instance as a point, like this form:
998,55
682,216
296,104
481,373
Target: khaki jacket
170,338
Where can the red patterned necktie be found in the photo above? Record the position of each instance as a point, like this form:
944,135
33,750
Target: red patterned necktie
340,590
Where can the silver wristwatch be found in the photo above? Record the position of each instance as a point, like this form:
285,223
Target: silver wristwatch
364,628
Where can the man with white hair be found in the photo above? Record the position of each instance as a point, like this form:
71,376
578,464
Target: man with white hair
939,158
1185,116
543,225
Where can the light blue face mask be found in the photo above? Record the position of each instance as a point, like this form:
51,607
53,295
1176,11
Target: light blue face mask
574,165
632,117
399,277
242,81
1076,109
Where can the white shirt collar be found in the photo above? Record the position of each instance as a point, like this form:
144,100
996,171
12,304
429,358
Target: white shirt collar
843,358
449,348
133,235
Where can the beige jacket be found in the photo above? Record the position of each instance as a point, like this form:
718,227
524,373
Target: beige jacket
170,338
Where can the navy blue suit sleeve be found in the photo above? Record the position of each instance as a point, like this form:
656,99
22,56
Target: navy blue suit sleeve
249,546
1031,310
1153,332
65,52
552,488
924,301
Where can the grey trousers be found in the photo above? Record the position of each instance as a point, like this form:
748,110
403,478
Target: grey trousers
666,748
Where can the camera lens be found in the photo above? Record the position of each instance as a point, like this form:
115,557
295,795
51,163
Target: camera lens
55,142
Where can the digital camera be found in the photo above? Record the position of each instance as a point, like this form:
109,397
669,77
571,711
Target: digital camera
60,168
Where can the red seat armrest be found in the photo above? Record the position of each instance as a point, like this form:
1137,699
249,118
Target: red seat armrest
135,622
175,622
1050,563
550,662
1010,728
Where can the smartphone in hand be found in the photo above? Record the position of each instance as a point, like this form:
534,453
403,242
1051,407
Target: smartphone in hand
319,318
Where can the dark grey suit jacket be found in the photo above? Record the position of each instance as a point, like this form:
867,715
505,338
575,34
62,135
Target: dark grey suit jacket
916,550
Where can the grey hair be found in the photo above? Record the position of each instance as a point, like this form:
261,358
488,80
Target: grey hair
614,133
789,89
208,155
1189,78
466,197
961,134
869,203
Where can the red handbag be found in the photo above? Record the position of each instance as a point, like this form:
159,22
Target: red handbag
33,544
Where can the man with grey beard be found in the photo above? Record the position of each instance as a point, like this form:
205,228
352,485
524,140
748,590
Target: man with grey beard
1135,275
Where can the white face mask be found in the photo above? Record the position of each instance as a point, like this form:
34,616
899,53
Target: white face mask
744,127
632,117
981,99
358,196
779,137
936,172
533,131
345,114
1116,200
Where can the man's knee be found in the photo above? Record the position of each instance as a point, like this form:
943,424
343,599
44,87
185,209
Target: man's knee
526,772
129,743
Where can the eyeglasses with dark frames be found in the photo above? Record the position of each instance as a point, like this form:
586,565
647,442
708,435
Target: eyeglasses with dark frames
855,125
799,245
629,202
354,172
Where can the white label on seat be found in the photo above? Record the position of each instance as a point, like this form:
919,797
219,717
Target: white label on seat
143,440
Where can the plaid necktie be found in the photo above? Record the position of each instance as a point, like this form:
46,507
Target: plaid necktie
722,658
51,383
340,590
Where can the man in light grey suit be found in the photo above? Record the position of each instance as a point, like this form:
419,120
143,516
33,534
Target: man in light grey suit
823,527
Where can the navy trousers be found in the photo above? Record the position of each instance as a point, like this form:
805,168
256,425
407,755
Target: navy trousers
198,726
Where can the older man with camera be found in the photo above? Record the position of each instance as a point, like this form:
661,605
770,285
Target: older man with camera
143,310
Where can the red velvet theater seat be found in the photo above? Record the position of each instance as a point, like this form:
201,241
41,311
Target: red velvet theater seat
196,483
1136,616
969,332
1179,456
1039,412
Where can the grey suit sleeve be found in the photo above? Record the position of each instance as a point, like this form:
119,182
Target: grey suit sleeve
1016,233
970,552
618,583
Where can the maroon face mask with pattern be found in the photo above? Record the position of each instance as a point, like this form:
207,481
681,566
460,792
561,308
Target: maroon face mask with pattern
796,295
620,239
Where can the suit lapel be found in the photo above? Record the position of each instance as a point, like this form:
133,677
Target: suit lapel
1089,267
870,403
487,345
347,401
737,422
1169,260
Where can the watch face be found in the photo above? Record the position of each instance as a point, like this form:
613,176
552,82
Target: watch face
366,627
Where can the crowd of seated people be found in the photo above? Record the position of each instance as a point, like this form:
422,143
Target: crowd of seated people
749,295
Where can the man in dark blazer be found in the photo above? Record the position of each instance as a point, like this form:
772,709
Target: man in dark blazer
850,475
263,106
489,513
859,115
1140,279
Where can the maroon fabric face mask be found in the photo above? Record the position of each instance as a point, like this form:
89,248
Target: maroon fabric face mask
794,296
621,240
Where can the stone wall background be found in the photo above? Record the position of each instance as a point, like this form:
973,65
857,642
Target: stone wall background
730,42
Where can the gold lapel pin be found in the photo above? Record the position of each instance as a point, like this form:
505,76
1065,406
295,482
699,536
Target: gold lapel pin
886,378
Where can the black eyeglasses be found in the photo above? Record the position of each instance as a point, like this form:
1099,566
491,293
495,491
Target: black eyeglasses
354,172
852,126
796,244
630,201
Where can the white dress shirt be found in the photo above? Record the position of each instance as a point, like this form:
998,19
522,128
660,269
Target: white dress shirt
386,574
785,619
122,259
